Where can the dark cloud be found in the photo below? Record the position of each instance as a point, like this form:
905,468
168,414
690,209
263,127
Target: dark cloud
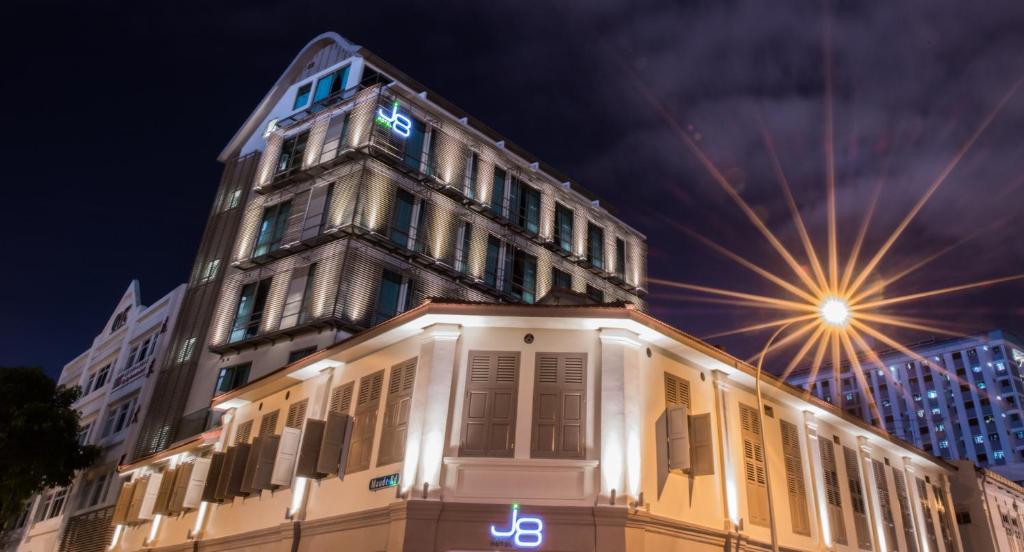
116,112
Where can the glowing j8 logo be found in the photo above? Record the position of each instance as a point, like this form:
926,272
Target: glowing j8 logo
526,532
397,122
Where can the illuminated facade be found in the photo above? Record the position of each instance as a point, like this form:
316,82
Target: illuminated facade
974,414
114,378
351,194
989,509
475,426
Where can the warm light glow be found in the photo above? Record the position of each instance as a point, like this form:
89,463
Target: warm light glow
835,311
298,494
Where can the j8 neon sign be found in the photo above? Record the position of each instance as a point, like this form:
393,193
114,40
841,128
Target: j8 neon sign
525,531
400,124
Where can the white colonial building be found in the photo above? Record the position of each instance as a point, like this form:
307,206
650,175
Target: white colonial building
469,426
114,378
989,509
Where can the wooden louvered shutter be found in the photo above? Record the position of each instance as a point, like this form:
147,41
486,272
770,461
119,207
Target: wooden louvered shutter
297,286
678,429
909,534
832,495
753,466
234,470
252,459
885,501
124,500
796,487
396,413
677,391
309,449
243,432
212,489
317,209
857,499
333,448
559,406
341,398
926,508
200,474
489,408
296,414
163,494
284,460
181,481
138,494
296,216
364,422
265,463
268,424
152,489
702,451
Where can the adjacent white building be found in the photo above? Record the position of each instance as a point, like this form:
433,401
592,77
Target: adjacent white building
989,509
114,378
471,426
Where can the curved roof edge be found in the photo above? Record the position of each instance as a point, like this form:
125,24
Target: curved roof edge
267,103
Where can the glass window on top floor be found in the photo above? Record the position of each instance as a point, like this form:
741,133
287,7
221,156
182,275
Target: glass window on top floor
302,96
330,85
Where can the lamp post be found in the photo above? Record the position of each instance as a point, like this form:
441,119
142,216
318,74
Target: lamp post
764,451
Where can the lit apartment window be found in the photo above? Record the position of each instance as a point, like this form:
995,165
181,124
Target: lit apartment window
620,258
272,227
232,377
498,192
525,201
492,270
250,310
292,151
302,95
560,279
209,271
563,227
595,245
331,84
523,277
393,296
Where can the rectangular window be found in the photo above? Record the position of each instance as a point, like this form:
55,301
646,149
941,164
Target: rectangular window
595,245
929,523
620,258
489,409
796,487
341,397
832,494
559,406
413,150
595,294
909,534
292,151
857,499
396,413
525,203
364,422
563,227
523,276
392,297
677,391
462,243
400,231
753,466
101,377
560,279
498,192
296,414
885,501
232,377
249,313
299,354
272,228
330,85
268,424
302,96
491,270
472,169
57,505
244,432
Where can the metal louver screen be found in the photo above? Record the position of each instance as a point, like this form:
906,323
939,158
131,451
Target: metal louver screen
89,532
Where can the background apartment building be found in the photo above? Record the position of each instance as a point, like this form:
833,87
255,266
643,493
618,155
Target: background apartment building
964,401
114,378
352,193
459,426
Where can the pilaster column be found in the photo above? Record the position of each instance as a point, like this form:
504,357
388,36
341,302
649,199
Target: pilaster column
620,415
428,411
720,384
915,506
874,504
817,481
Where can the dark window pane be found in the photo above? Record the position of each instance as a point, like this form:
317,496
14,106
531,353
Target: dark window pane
493,254
620,258
595,245
498,191
563,227
388,296
560,279
401,221
302,95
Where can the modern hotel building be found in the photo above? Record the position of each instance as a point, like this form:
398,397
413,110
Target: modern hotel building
371,358
957,398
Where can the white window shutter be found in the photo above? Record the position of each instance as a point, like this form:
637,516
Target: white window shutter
149,499
284,462
196,483
678,438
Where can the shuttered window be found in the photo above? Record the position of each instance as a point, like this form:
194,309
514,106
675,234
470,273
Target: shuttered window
364,421
268,424
341,397
753,466
832,496
396,413
945,523
559,406
489,408
857,499
296,414
885,501
243,432
796,487
677,391
929,523
909,534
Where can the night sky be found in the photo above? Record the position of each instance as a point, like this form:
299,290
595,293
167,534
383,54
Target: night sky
115,113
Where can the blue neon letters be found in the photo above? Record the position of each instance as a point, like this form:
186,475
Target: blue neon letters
526,532
399,123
